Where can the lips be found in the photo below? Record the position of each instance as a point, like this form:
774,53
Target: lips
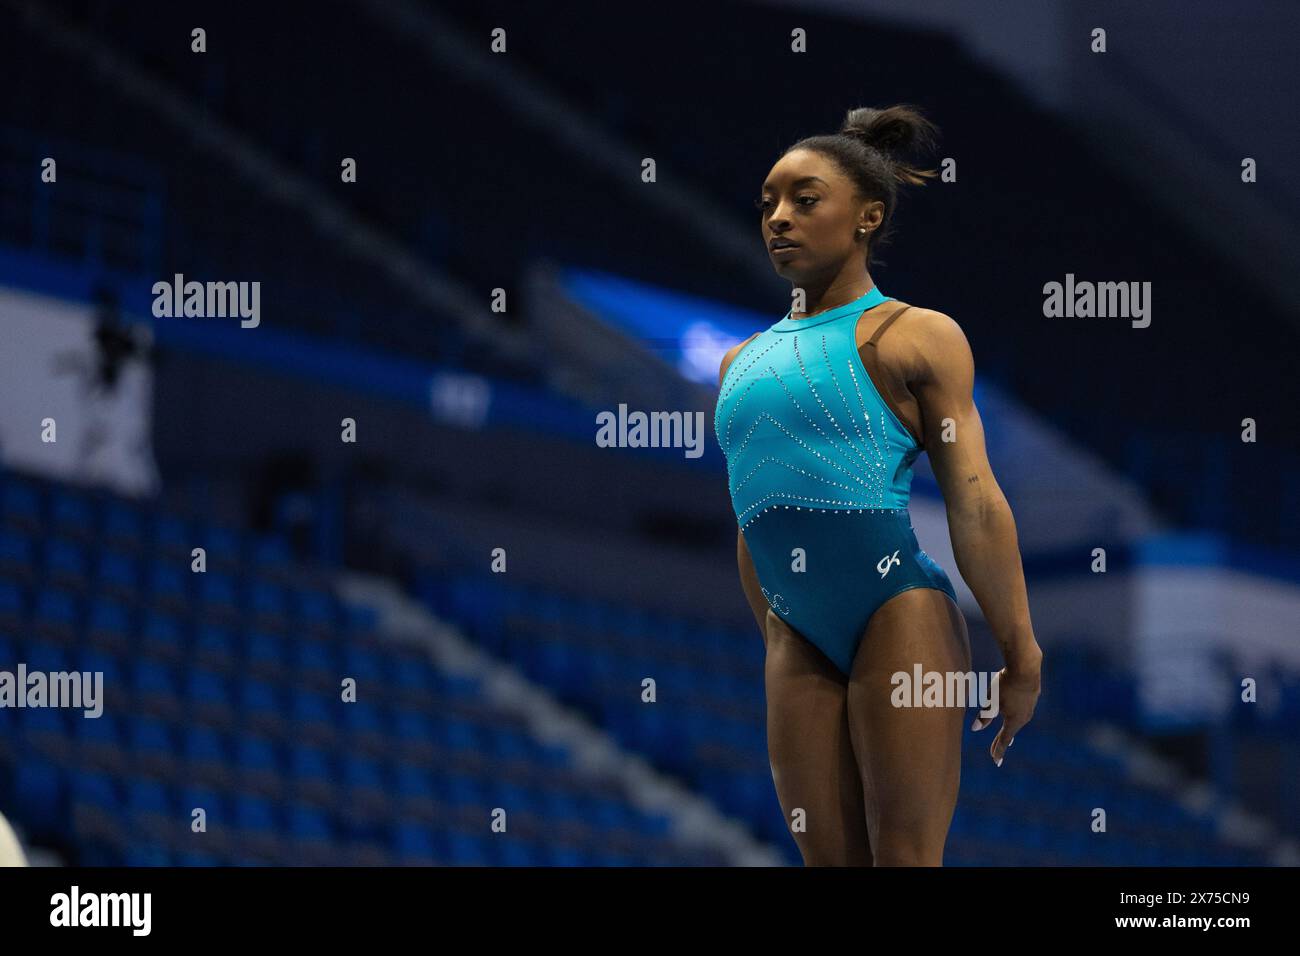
777,244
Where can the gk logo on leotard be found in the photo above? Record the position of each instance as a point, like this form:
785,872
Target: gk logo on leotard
887,562
776,601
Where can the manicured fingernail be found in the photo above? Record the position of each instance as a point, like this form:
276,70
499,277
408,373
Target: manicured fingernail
998,762
1010,742
976,724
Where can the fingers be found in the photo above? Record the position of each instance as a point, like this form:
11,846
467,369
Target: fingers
980,720
1000,744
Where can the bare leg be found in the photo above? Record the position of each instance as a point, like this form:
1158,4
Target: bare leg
910,757
811,751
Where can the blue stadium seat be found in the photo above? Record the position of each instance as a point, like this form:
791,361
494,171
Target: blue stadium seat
196,858
413,725
312,715
413,785
364,779
117,574
123,526
55,614
310,826
458,686
20,504
12,606
362,720
152,746
315,610
459,735
224,546
513,797
506,744
149,812
37,794
110,624
162,637
360,619
17,554
271,556
254,814
66,564
415,845
414,734
47,656
607,814
461,790
410,673
147,854
46,731
218,594
365,666
171,536
265,654
154,688
97,791
72,514
466,849
206,754
215,647
92,660
167,584
566,856
311,773
260,706
208,696
99,742
258,827
268,605
314,663
510,850
258,763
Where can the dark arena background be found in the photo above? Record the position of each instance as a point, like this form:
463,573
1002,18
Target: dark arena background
309,317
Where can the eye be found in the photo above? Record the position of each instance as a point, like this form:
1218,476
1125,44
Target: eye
765,203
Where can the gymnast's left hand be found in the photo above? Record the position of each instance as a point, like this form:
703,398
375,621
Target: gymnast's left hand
1017,696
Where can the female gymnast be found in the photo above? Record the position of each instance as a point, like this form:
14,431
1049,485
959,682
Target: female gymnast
820,418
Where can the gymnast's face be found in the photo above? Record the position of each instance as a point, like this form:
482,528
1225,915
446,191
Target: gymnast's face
808,201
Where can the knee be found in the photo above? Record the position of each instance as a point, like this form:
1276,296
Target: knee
838,851
906,849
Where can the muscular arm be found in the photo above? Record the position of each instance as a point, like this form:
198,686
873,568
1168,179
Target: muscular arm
980,522
748,576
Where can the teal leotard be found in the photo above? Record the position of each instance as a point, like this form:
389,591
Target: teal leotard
820,469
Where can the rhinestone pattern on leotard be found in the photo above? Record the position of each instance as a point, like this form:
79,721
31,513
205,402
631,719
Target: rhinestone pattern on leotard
803,427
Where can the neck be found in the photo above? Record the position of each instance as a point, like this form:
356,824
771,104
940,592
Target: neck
840,290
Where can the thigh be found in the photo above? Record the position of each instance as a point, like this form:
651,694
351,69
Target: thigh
811,752
909,757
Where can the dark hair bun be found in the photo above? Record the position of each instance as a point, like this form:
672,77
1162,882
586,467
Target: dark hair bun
896,131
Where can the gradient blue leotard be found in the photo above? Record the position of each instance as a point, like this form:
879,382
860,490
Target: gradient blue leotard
818,461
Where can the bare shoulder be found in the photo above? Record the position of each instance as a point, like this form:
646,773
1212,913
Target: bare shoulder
731,354
938,344
931,325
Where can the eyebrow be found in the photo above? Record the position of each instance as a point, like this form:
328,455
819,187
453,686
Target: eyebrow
801,181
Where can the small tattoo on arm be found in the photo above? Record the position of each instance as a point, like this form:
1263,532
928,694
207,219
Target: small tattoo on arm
972,478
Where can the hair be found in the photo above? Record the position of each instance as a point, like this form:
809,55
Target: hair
871,149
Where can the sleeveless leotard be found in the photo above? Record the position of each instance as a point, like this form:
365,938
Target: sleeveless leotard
819,467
